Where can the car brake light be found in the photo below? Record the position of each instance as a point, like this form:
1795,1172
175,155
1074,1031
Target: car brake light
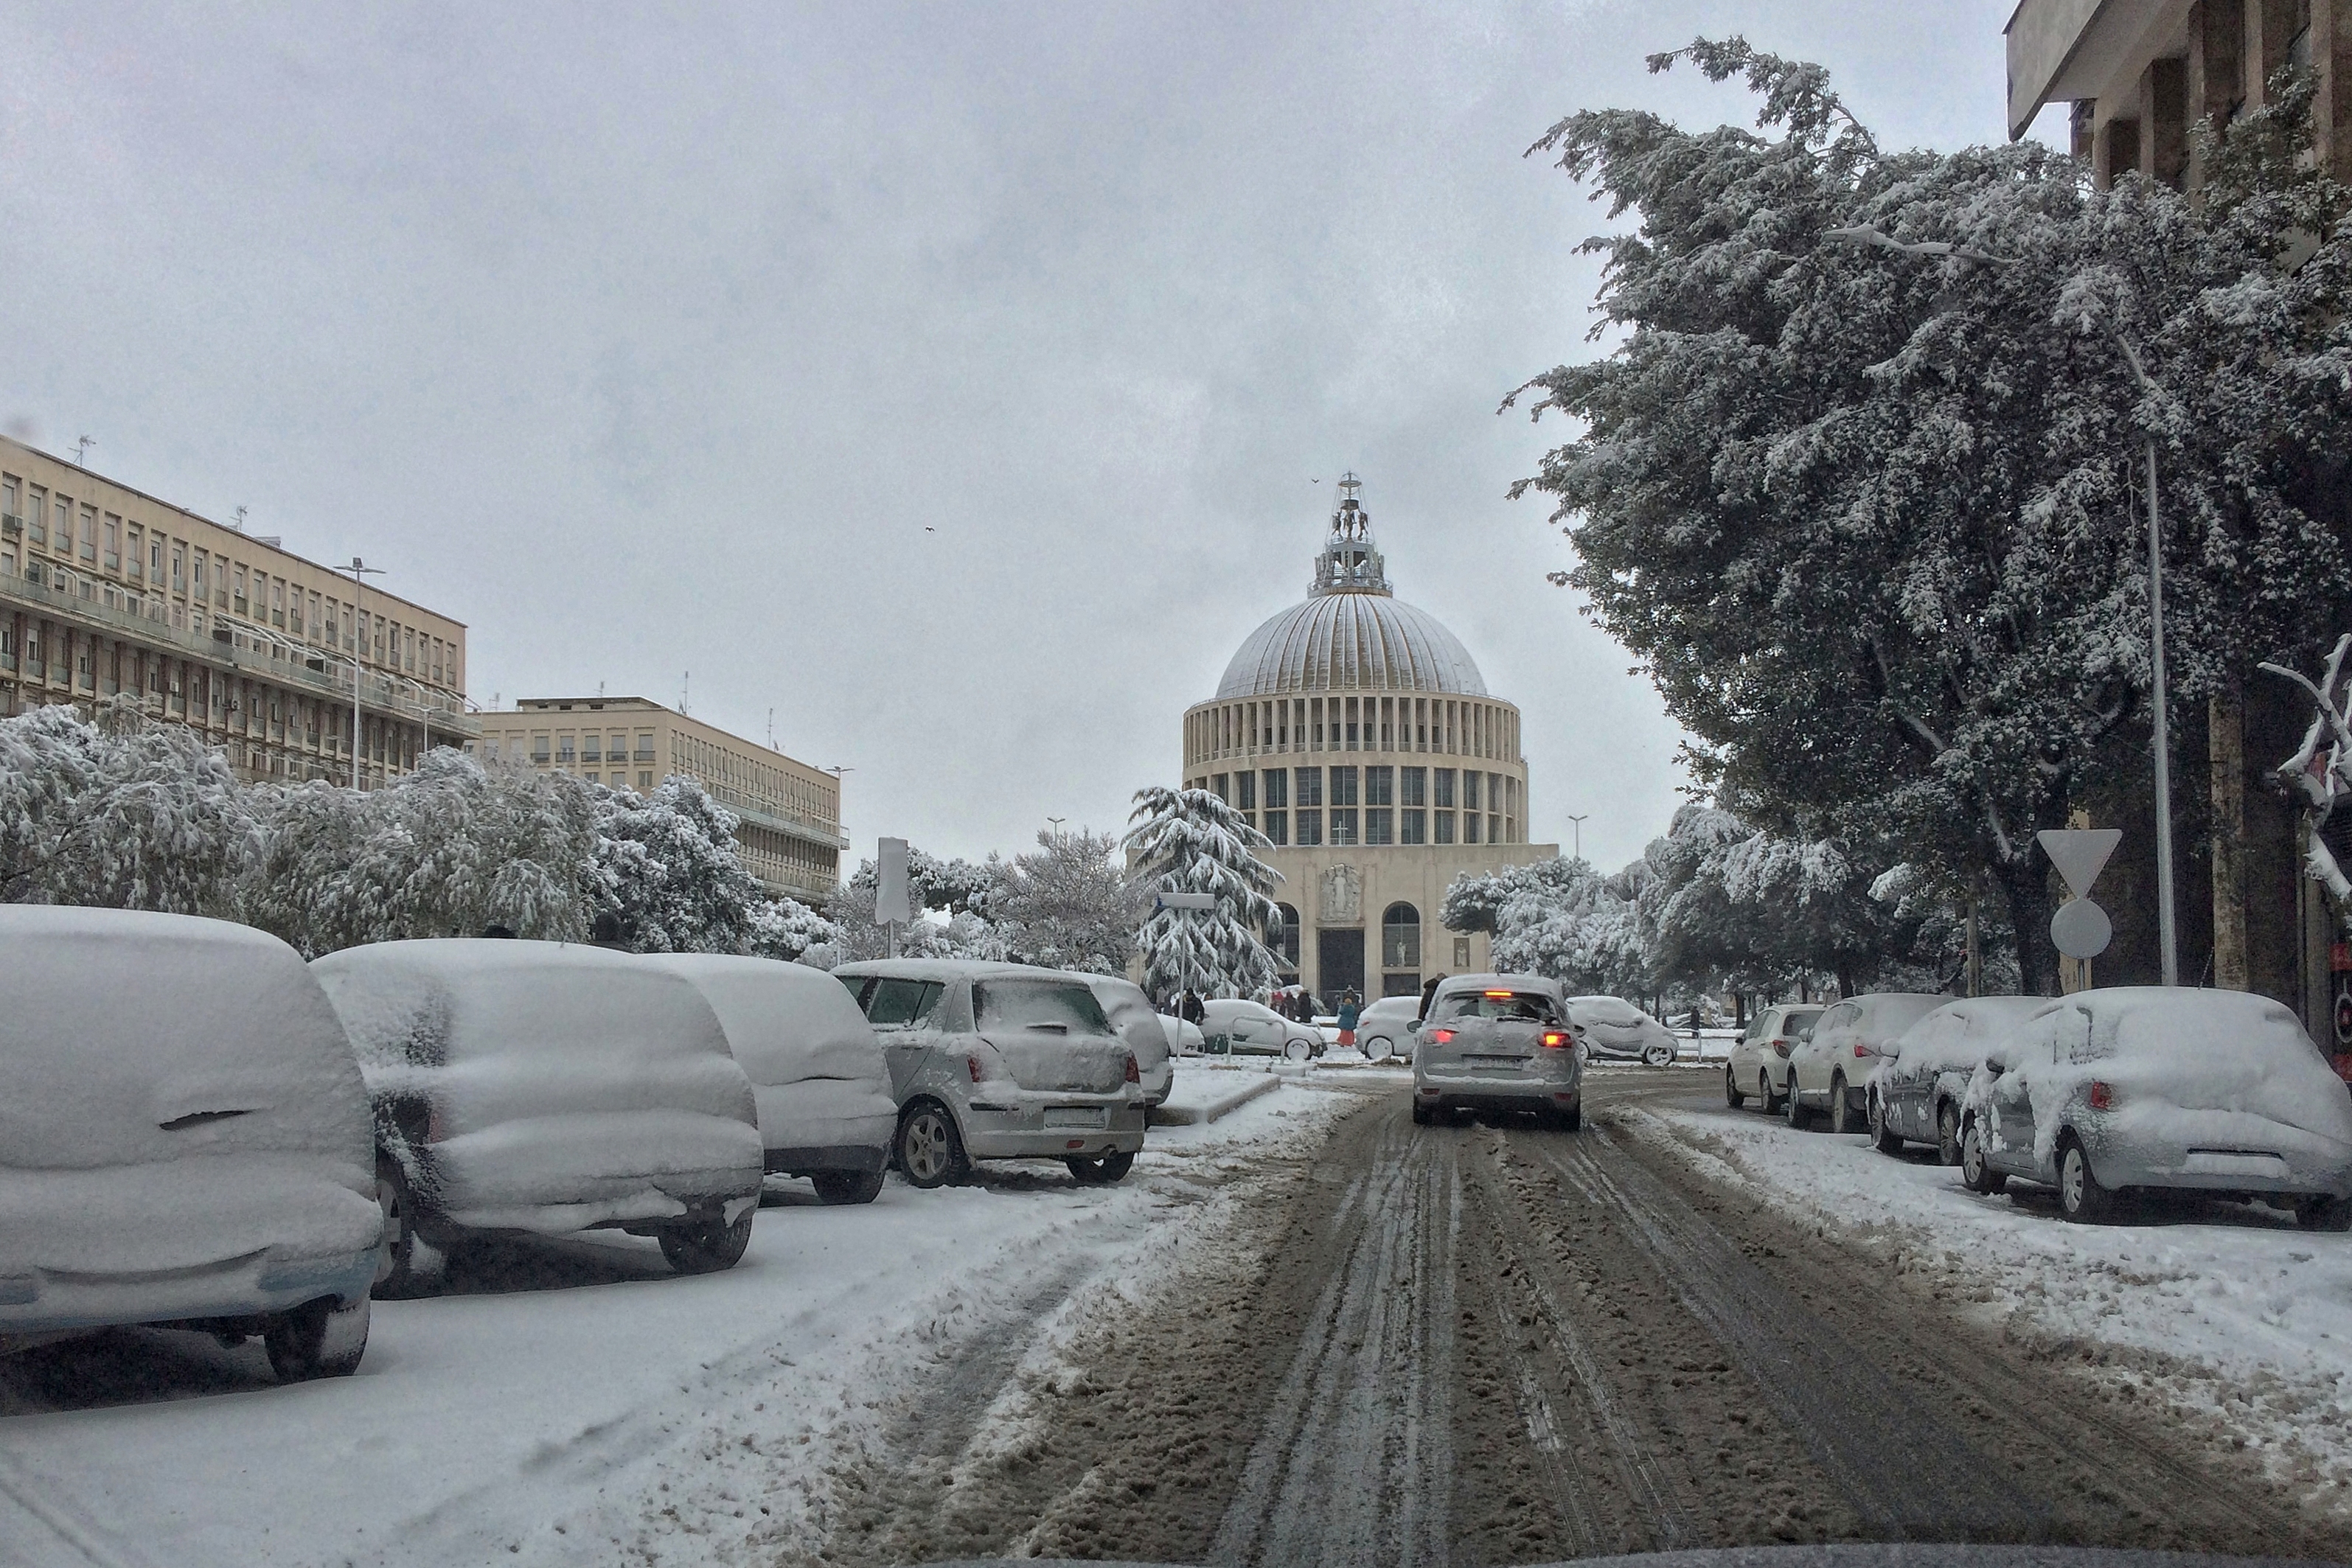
1439,1036
1779,1048
1860,1050
971,1065
1134,1075
1500,996
1554,1038
2102,1096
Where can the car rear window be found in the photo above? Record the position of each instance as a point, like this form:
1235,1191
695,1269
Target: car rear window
1038,1004
902,1003
1522,1007
1800,1020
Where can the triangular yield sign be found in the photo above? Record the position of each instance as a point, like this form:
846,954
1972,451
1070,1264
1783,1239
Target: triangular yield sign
2080,853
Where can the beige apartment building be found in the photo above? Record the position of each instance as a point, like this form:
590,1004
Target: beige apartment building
105,592
1356,732
2139,73
789,827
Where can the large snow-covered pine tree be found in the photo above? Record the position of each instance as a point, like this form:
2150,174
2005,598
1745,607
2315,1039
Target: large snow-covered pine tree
1190,840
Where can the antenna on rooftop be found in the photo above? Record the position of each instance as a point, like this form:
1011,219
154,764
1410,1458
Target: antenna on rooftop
239,524
81,450
772,729
684,684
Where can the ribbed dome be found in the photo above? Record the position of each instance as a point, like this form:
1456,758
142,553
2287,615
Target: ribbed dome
1347,642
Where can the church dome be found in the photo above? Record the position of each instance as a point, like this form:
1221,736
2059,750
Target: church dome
1351,635
1350,641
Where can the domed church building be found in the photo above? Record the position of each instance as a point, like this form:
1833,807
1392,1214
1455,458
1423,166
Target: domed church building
1356,732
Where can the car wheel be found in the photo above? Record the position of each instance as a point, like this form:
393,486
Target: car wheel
847,1187
1420,1114
2081,1199
708,1245
1296,1049
1658,1056
406,1264
1881,1132
1975,1173
1378,1049
1794,1104
2323,1213
1841,1106
1102,1170
931,1151
317,1339
1764,1091
1948,1134
1731,1094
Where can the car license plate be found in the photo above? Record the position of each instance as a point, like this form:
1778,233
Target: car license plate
1086,1116
1506,1063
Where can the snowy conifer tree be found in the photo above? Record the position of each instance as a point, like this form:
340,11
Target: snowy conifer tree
1190,840
672,871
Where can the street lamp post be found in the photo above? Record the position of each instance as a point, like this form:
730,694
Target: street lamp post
1576,825
358,644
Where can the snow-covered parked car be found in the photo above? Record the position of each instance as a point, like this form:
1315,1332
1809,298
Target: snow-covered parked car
1234,1027
1184,1036
1137,1022
184,1140
1000,1062
1760,1056
1614,1030
2155,1087
1830,1068
546,1088
817,1075
1385,1027
1924,1073
1497,1043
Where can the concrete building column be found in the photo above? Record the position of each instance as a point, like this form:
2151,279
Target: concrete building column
2115,151
2331,63
2164,121
2271,25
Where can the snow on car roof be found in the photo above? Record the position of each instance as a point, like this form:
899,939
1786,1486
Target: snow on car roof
940,969
785,1022
1958,1033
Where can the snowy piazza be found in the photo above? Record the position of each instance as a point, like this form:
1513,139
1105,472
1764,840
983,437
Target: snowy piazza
864,785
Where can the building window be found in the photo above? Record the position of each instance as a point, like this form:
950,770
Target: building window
1245,791
1469,826
1443,821
1278,828
1224,786
538,749
1277,788
1469,791
1311,788
1380,785
644,780
1412,786
1343,826
1413,825
1377,825
1401,937
1343,786
1287,939
645,747
1310,829
1443,793
89,537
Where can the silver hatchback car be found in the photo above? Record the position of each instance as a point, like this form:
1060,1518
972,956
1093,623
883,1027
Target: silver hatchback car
1497,1043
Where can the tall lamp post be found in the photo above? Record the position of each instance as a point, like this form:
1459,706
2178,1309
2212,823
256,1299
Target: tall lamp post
359,646
2167,936
1576,825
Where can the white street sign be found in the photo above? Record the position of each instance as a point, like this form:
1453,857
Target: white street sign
2079,853
2081,929
1185,901
891,903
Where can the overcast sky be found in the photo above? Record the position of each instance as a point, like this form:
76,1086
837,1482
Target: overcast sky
952,380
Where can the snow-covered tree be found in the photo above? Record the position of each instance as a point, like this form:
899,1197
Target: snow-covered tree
672,871
1069,903
1873,517
1559,918
787,929
121,813
1190,840
950,897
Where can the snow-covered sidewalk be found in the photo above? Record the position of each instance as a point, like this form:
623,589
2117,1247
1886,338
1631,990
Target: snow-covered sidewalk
2229,1311
586,1406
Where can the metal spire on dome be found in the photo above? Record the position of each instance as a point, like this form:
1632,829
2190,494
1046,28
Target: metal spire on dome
1350,562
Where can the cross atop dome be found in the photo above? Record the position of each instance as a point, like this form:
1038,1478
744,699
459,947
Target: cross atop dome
1350,562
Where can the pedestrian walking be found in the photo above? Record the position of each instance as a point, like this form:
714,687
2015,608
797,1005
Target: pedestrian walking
1429,994
1189,1008
1349,1014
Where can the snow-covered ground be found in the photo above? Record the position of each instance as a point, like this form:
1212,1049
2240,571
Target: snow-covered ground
2243,1320
572,1401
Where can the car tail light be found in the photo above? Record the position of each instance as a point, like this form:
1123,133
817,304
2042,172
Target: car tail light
1861,1050
1554,1038
2102,1096
1439,1036
1779,1048
1134,1074
971,1065
1500,996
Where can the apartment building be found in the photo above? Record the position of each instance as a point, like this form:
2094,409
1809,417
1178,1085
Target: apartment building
2141,73
789,814
107,591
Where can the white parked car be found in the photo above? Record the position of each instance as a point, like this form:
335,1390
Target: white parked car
2155,1087
816,1069
184,1139
1613,1029
1253,1029
1184,1036
1497,1044
1924,1073
1384,1028
1138,1023
546,1088
1000,1062
1830,1068
1759,1059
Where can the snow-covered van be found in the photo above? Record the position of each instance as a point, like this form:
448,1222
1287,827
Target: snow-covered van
1138,1024
1000,1062
2162,1087
184,1139
546,1088
816,1069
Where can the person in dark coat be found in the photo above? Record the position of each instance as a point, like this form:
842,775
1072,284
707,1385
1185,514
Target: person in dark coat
1189,1008
1429,993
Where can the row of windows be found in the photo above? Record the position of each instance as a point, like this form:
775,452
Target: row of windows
1375,805
570,747
1365,723
132,561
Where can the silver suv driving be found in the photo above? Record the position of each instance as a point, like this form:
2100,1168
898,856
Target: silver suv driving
1497,1043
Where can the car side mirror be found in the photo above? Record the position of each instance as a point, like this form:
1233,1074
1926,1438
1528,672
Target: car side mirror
1413,1028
